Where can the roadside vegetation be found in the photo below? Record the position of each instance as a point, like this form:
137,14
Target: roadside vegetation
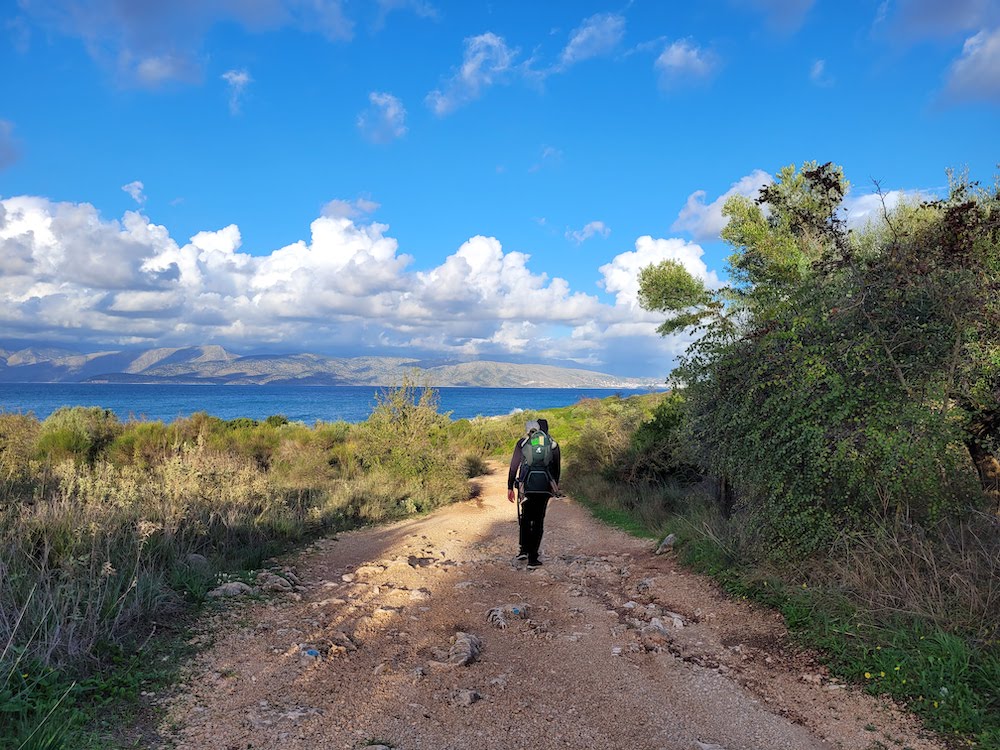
111,533
831,444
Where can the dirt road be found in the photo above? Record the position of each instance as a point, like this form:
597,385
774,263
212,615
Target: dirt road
610,647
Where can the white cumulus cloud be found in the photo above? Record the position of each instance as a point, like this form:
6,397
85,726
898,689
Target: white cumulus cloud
683,62
384,120
486,60
68,274
704,221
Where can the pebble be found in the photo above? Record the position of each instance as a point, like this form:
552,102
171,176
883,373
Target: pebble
347,577
465,698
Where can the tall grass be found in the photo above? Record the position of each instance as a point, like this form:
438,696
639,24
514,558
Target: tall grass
99,520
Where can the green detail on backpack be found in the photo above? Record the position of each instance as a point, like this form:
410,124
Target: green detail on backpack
537,455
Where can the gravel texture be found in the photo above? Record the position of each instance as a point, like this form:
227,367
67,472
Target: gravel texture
395,641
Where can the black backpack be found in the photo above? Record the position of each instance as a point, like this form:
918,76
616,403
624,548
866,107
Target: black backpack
536,456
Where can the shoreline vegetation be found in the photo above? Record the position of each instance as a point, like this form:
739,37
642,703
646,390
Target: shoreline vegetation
109,530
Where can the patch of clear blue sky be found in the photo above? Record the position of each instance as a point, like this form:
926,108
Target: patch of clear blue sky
623,149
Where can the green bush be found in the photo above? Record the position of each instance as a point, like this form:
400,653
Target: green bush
141,443
78,433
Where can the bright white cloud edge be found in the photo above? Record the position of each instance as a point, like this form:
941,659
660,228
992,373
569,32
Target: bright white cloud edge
66,273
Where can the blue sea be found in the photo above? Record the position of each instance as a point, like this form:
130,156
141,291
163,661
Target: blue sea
307,404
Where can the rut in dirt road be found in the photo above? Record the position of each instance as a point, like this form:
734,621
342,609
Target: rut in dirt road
424,635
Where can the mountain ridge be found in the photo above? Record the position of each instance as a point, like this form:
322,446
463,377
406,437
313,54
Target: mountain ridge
215,365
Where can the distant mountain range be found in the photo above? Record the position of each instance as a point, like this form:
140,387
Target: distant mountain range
213,364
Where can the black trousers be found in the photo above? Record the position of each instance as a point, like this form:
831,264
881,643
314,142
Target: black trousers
532,523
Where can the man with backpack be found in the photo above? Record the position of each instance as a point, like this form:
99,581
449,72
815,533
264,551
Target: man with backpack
534,468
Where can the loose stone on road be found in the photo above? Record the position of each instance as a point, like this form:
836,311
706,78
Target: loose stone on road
423,635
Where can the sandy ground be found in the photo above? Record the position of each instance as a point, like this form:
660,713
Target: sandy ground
611,647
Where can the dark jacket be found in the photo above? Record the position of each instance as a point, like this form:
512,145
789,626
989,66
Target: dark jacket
517,460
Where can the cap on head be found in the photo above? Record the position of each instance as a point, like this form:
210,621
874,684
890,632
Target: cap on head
531,425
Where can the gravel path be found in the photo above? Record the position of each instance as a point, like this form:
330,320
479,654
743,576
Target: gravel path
427,636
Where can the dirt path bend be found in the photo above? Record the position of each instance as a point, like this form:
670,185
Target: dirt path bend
610,647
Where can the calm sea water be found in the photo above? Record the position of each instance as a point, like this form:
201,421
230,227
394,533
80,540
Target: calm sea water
299,403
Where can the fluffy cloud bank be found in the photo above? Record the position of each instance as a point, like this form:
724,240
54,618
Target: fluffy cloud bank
66,273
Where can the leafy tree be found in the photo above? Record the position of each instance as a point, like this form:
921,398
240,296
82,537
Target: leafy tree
845,371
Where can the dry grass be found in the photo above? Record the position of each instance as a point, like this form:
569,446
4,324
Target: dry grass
95,532
949,575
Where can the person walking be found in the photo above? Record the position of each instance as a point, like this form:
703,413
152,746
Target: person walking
535,468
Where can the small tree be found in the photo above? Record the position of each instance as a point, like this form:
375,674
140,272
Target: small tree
841,369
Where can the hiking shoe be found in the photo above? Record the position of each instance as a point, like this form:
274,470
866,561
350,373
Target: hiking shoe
521,556
536,563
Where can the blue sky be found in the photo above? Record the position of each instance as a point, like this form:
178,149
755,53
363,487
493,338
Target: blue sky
453,180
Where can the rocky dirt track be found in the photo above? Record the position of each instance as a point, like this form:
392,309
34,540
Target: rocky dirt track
424,635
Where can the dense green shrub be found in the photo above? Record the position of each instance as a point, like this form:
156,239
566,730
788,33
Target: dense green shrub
78,433
141,443
844,376
660,447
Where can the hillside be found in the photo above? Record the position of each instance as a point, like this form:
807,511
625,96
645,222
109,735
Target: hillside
213,364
